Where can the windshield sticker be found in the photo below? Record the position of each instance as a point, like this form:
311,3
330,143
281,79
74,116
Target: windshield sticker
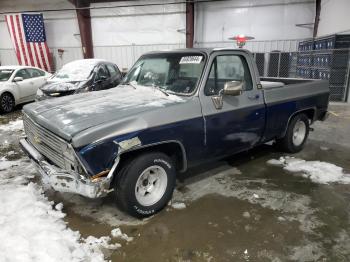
191,59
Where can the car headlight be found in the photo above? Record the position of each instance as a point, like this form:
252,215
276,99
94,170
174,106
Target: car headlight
39,92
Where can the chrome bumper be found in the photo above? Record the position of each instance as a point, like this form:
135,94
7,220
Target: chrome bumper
64,181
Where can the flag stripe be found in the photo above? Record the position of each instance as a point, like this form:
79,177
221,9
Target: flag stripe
21,40
30,62
36,52
27,32
42,55
13,36
18,40
47,56
30,54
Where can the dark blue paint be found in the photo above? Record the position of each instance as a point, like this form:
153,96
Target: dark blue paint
227,133
234,131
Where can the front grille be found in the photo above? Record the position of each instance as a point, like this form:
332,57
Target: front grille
47,143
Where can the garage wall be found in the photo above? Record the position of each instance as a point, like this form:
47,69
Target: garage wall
138,25
334,17
122,34
264,20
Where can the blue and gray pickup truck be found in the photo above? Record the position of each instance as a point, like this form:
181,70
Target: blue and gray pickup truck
173,110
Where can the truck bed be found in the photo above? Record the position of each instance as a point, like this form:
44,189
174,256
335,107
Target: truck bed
286,96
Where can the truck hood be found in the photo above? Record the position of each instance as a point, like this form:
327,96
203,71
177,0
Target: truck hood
69,115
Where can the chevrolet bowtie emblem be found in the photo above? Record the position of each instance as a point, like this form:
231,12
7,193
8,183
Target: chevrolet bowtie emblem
37,140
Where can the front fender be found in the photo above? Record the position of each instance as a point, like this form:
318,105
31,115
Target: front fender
101,157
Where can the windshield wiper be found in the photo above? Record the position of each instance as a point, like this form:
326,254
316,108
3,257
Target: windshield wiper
160,89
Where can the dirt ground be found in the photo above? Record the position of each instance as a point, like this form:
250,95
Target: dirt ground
237,209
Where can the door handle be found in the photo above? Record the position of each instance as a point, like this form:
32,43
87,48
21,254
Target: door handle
254,97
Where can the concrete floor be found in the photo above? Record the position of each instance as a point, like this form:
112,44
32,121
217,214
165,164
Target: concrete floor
238,209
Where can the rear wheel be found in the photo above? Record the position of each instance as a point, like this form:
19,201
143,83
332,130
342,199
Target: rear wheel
145,184
296,135
7,103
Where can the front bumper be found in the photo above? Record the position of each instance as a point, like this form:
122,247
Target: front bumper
64,181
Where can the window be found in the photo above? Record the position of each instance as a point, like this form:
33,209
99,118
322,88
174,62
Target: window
5,74
173,72
35,72
102,73
226,68
113,70
23,73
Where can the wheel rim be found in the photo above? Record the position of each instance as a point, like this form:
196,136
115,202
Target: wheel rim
299,132
6,103
151,185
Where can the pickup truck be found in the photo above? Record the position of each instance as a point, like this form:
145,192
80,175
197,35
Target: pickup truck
173,110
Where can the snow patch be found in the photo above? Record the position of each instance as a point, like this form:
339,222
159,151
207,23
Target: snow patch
124,97
78,70
32,229
117,233
94,244
5,164
178,205
317,171
16,125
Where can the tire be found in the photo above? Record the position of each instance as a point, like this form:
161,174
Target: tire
145,184
296,135
7,103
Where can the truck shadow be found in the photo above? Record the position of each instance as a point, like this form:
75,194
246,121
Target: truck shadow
213,167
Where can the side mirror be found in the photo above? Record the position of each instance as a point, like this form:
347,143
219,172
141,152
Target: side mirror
233,88
18,79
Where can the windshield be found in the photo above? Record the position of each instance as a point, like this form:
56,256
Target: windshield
172,72
5,74
75,71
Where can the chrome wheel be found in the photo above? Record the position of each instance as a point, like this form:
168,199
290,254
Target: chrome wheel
151,185
299,133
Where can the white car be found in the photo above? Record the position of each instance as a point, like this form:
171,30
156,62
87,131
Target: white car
19,84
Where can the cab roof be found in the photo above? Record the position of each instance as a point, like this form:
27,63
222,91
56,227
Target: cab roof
207,51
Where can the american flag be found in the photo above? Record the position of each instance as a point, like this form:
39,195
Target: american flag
27,33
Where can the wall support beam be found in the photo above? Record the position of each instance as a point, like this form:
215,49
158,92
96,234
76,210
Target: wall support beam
189,24
317,17
84,21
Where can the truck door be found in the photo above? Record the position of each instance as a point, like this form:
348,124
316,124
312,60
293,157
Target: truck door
239,123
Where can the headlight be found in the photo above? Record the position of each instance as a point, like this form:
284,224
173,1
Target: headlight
39,92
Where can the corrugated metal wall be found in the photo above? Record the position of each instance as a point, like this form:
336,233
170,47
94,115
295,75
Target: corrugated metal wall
257,46
125,55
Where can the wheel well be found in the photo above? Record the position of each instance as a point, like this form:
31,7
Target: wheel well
310,113
172,149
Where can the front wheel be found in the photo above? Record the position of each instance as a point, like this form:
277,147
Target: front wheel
145,184
296,135
7,103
